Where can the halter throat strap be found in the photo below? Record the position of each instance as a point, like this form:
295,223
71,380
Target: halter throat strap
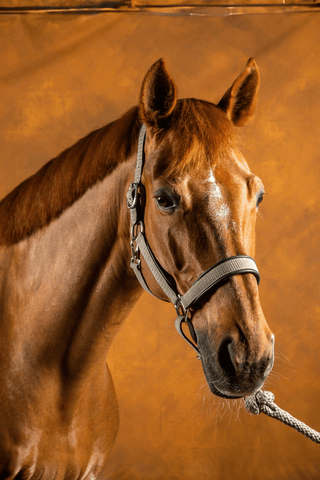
210,279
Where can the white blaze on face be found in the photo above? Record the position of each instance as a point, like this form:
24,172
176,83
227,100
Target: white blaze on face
221,211
215,190
224,211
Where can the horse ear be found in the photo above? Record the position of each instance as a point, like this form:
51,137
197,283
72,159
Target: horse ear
158,95
240,101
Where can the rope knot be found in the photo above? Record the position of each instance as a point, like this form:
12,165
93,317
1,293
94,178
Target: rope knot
254,402
264,402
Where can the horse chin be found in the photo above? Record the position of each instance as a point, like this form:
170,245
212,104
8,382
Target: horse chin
228,388
218,393
228,393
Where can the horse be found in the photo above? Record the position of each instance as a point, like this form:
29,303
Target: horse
66,240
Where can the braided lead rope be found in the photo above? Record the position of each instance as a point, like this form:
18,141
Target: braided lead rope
262,401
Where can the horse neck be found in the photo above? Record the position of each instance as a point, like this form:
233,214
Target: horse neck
72,279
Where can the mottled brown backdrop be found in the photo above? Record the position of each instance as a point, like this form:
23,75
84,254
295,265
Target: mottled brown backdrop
64,75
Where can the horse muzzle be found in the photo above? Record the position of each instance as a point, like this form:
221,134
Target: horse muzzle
234,369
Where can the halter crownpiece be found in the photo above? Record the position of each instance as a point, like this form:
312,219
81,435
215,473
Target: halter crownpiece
214,276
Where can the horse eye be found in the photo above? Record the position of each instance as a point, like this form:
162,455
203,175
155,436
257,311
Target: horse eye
259,199
164,202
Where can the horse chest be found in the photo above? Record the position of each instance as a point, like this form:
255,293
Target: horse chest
47,432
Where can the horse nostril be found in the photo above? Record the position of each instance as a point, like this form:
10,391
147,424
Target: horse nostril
225,358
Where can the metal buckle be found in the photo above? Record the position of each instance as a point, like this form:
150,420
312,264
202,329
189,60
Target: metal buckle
180,308
136,261
135,249
133,195
134,253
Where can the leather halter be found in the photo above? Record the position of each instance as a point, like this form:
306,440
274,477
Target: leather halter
214,276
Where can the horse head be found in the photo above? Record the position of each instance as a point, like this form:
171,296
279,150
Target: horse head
201,204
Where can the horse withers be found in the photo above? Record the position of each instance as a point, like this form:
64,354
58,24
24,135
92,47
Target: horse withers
67,285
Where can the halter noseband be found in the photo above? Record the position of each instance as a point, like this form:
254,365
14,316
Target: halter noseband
221,271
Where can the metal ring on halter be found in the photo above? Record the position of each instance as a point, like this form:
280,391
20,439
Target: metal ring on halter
179,306
132,200
183,317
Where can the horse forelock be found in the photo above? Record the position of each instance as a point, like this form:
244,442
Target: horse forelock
41,198
200,134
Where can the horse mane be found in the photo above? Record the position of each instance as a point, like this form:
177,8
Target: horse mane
201,131
59,183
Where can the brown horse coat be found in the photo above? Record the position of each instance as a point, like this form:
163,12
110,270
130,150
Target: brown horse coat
66,283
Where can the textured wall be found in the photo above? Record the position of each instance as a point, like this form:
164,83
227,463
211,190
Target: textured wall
63,76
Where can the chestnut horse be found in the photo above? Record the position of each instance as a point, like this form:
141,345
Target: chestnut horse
67,285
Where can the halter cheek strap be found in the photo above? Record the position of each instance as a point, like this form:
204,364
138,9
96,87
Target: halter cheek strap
211,278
